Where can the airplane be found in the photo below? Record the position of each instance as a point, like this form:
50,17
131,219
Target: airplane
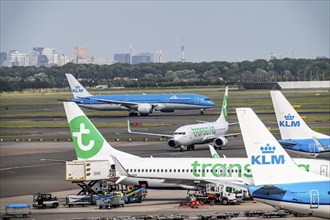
184,173
278,180
201,133
296,136
137,104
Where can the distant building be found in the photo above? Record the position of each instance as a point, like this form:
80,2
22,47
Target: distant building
122,58
81,55
143,58
20,59
3,58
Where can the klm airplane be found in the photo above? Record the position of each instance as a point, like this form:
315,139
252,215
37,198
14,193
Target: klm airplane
143,104
296,136
278,180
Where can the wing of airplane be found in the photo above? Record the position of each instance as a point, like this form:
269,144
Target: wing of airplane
267,190
287,143
145,133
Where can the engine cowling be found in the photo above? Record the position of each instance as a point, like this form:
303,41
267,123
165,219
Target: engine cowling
171,143
220,141
145,109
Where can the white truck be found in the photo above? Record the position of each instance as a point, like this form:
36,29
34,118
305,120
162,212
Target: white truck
225,194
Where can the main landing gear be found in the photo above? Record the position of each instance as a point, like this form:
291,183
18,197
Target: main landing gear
217,147
189,147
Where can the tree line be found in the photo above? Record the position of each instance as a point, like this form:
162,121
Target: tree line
166,74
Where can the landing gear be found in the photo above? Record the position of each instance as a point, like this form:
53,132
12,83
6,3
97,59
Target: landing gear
201,112
190,147
133,114
217,148
143,115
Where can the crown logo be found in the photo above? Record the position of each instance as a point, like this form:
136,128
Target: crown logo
289,117
77,87
268,149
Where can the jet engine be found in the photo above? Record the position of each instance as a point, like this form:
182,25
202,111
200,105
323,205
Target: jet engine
220,141
145,109
171,143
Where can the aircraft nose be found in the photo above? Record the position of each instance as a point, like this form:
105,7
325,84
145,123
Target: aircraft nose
179,139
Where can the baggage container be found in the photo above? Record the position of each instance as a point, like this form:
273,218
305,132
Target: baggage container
87,170
17,210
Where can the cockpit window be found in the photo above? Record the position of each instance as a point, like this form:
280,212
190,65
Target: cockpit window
207,99
179,133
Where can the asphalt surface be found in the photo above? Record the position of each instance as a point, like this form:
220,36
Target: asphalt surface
24,174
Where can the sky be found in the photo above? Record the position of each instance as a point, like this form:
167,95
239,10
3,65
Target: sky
211,30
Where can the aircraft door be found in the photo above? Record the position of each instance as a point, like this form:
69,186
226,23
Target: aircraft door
324,170
315,199
190,133
196,100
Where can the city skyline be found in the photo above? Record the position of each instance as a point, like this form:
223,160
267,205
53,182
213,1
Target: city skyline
209,31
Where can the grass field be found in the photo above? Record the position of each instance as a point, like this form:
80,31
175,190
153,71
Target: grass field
19,108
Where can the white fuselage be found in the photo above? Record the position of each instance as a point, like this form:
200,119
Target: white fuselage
199,133
187,172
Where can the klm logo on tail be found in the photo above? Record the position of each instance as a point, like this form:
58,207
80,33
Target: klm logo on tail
86,139
77,89
267,156
289,121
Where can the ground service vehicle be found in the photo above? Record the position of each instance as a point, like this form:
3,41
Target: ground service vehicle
217,193
109,201
82,200
42,201
17,210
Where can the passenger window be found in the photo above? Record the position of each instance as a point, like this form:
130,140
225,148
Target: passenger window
170,171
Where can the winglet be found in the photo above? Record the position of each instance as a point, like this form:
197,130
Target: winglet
224,108
270,163
77,89
214,154
128,126
318,144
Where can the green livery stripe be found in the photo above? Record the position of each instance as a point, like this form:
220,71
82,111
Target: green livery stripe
224,107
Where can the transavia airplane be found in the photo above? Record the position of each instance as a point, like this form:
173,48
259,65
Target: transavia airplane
202,133
143,104
296,136
187,173
278,180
